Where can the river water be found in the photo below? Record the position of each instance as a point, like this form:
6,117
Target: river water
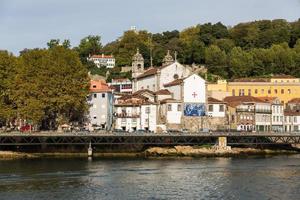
276,177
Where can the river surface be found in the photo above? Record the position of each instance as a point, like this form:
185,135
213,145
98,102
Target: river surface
276,177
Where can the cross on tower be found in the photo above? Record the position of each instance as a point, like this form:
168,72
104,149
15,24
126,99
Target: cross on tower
194,94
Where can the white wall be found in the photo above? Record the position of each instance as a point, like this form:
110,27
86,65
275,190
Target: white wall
147,83
167,73
174,116
194,84
151,116
216,110
176,91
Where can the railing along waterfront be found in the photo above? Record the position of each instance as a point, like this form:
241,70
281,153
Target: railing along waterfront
125,138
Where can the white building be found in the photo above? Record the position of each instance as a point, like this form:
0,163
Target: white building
100,100
107,61
216,108
277,113
135,112
154,78
292,121
123,85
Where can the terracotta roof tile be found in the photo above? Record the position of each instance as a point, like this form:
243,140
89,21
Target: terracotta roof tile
212,100
163,92
151,71
99,86
295,101
172,83
234,101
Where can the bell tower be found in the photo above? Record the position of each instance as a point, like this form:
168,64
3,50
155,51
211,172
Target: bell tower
137,64
168,59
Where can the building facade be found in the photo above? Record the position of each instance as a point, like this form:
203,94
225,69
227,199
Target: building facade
284,87
107,61
100,101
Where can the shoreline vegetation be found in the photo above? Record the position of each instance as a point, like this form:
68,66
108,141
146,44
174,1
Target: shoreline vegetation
157,152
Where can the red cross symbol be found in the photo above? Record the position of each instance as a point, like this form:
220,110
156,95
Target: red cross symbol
194,94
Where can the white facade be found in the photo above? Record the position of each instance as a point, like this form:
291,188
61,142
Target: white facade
194,89
103,61
216,110
148,83
121,85
148,117
128,118
172,72
292,122
277,117
176,91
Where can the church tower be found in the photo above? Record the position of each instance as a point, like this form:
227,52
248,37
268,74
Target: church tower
137,64
168,59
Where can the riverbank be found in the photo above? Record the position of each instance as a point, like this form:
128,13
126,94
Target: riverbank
155,152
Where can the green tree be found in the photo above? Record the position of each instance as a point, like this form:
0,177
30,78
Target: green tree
50,87
240,63
8,65
216,60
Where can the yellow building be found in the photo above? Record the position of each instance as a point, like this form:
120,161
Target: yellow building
284,87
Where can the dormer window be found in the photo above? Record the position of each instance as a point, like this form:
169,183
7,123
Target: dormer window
94,86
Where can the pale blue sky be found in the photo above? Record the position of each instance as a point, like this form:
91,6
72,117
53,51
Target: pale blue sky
31,23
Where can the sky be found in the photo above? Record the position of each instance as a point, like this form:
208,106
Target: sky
32,23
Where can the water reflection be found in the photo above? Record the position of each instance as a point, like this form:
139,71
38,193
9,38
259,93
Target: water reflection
208,178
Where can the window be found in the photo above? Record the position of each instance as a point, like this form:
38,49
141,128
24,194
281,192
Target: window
269,91
233,92
103,95
94,86
146,120
95,117
221,108
295,119
241,92
289,91
249,92
262,91
178,107
169,107
147,110
153,86
282,91
147,86
95,95
210,108
256,91
275,91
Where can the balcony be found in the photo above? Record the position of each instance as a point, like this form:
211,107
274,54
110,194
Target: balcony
267,111
245,110
127,115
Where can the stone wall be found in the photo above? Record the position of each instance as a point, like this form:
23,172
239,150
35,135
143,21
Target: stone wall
205,122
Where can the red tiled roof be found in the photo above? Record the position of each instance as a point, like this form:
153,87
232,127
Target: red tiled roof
101,56
212,100
143,91
169,100
99,86
267,99
292,113
234,101
151,71
295,100
172,83
163,92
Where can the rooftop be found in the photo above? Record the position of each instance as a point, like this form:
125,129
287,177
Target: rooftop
212,100
163,92
172,83
99,86
234,101
102,56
